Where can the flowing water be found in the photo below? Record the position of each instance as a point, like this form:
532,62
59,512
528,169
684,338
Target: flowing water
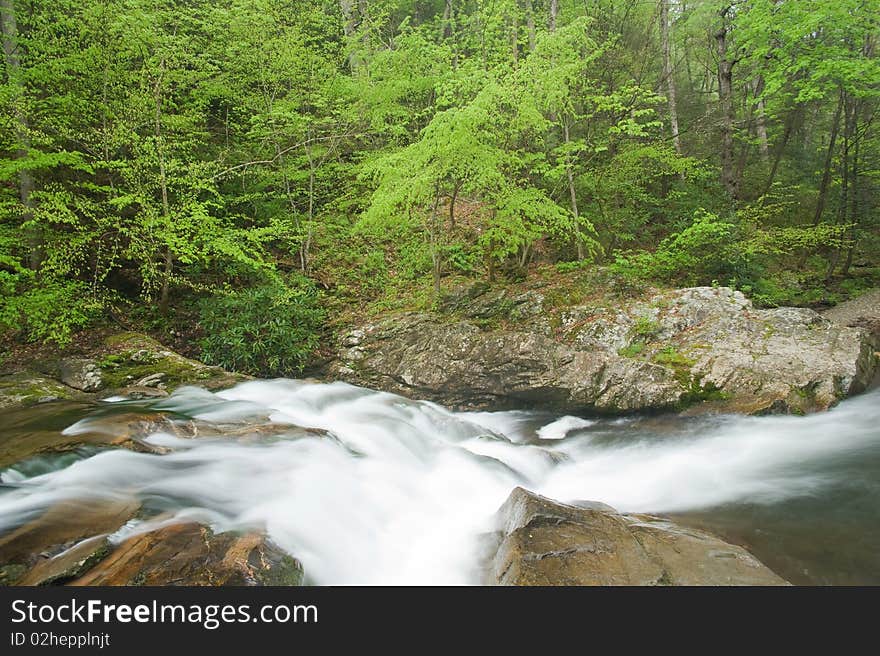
399,492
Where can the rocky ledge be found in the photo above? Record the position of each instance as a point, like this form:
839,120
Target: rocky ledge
543,542
703,347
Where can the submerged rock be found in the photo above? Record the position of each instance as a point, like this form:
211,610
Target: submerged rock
55,531
71,543
543,542
672,351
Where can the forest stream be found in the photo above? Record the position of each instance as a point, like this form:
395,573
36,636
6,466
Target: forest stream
393,491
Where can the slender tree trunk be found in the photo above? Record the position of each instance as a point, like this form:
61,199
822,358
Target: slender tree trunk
858,201
12,60
434,232
490,265
790,122
687,50
554,14
761,120
843,206
452,201
530,24
349,28
572,192
168,256
725,99
364,11
669,74
855,200
829,159
514,39
447,20
307,241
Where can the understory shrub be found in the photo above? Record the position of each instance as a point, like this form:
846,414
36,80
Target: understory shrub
270,330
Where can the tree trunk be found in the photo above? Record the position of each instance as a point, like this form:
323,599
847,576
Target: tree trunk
168,256
435,228
668,73
843,206
854,194
12,60
761,120
349,28
530,24
572,193
514,39
829,158
554,14
364,11
447,20
490,265
725,100
790,121
452,201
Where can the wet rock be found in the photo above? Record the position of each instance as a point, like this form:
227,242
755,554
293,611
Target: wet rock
543,542
81,373
69,564
136,393
702,345
191,554
62,526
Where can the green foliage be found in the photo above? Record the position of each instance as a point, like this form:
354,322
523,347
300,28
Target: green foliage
270,330
151,152
50,311
632,350
706,250
669,357
645,327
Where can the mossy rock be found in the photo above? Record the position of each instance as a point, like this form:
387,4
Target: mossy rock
134,357
28,388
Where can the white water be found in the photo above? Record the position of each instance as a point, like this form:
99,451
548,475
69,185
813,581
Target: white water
402,490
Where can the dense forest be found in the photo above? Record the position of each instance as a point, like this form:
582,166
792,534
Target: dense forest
254,168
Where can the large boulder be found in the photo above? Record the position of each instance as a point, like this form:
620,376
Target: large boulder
543,542
669,351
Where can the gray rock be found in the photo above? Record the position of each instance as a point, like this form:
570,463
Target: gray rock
81,374
153,380
671,351
543,542
860,312
140,393
28,388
